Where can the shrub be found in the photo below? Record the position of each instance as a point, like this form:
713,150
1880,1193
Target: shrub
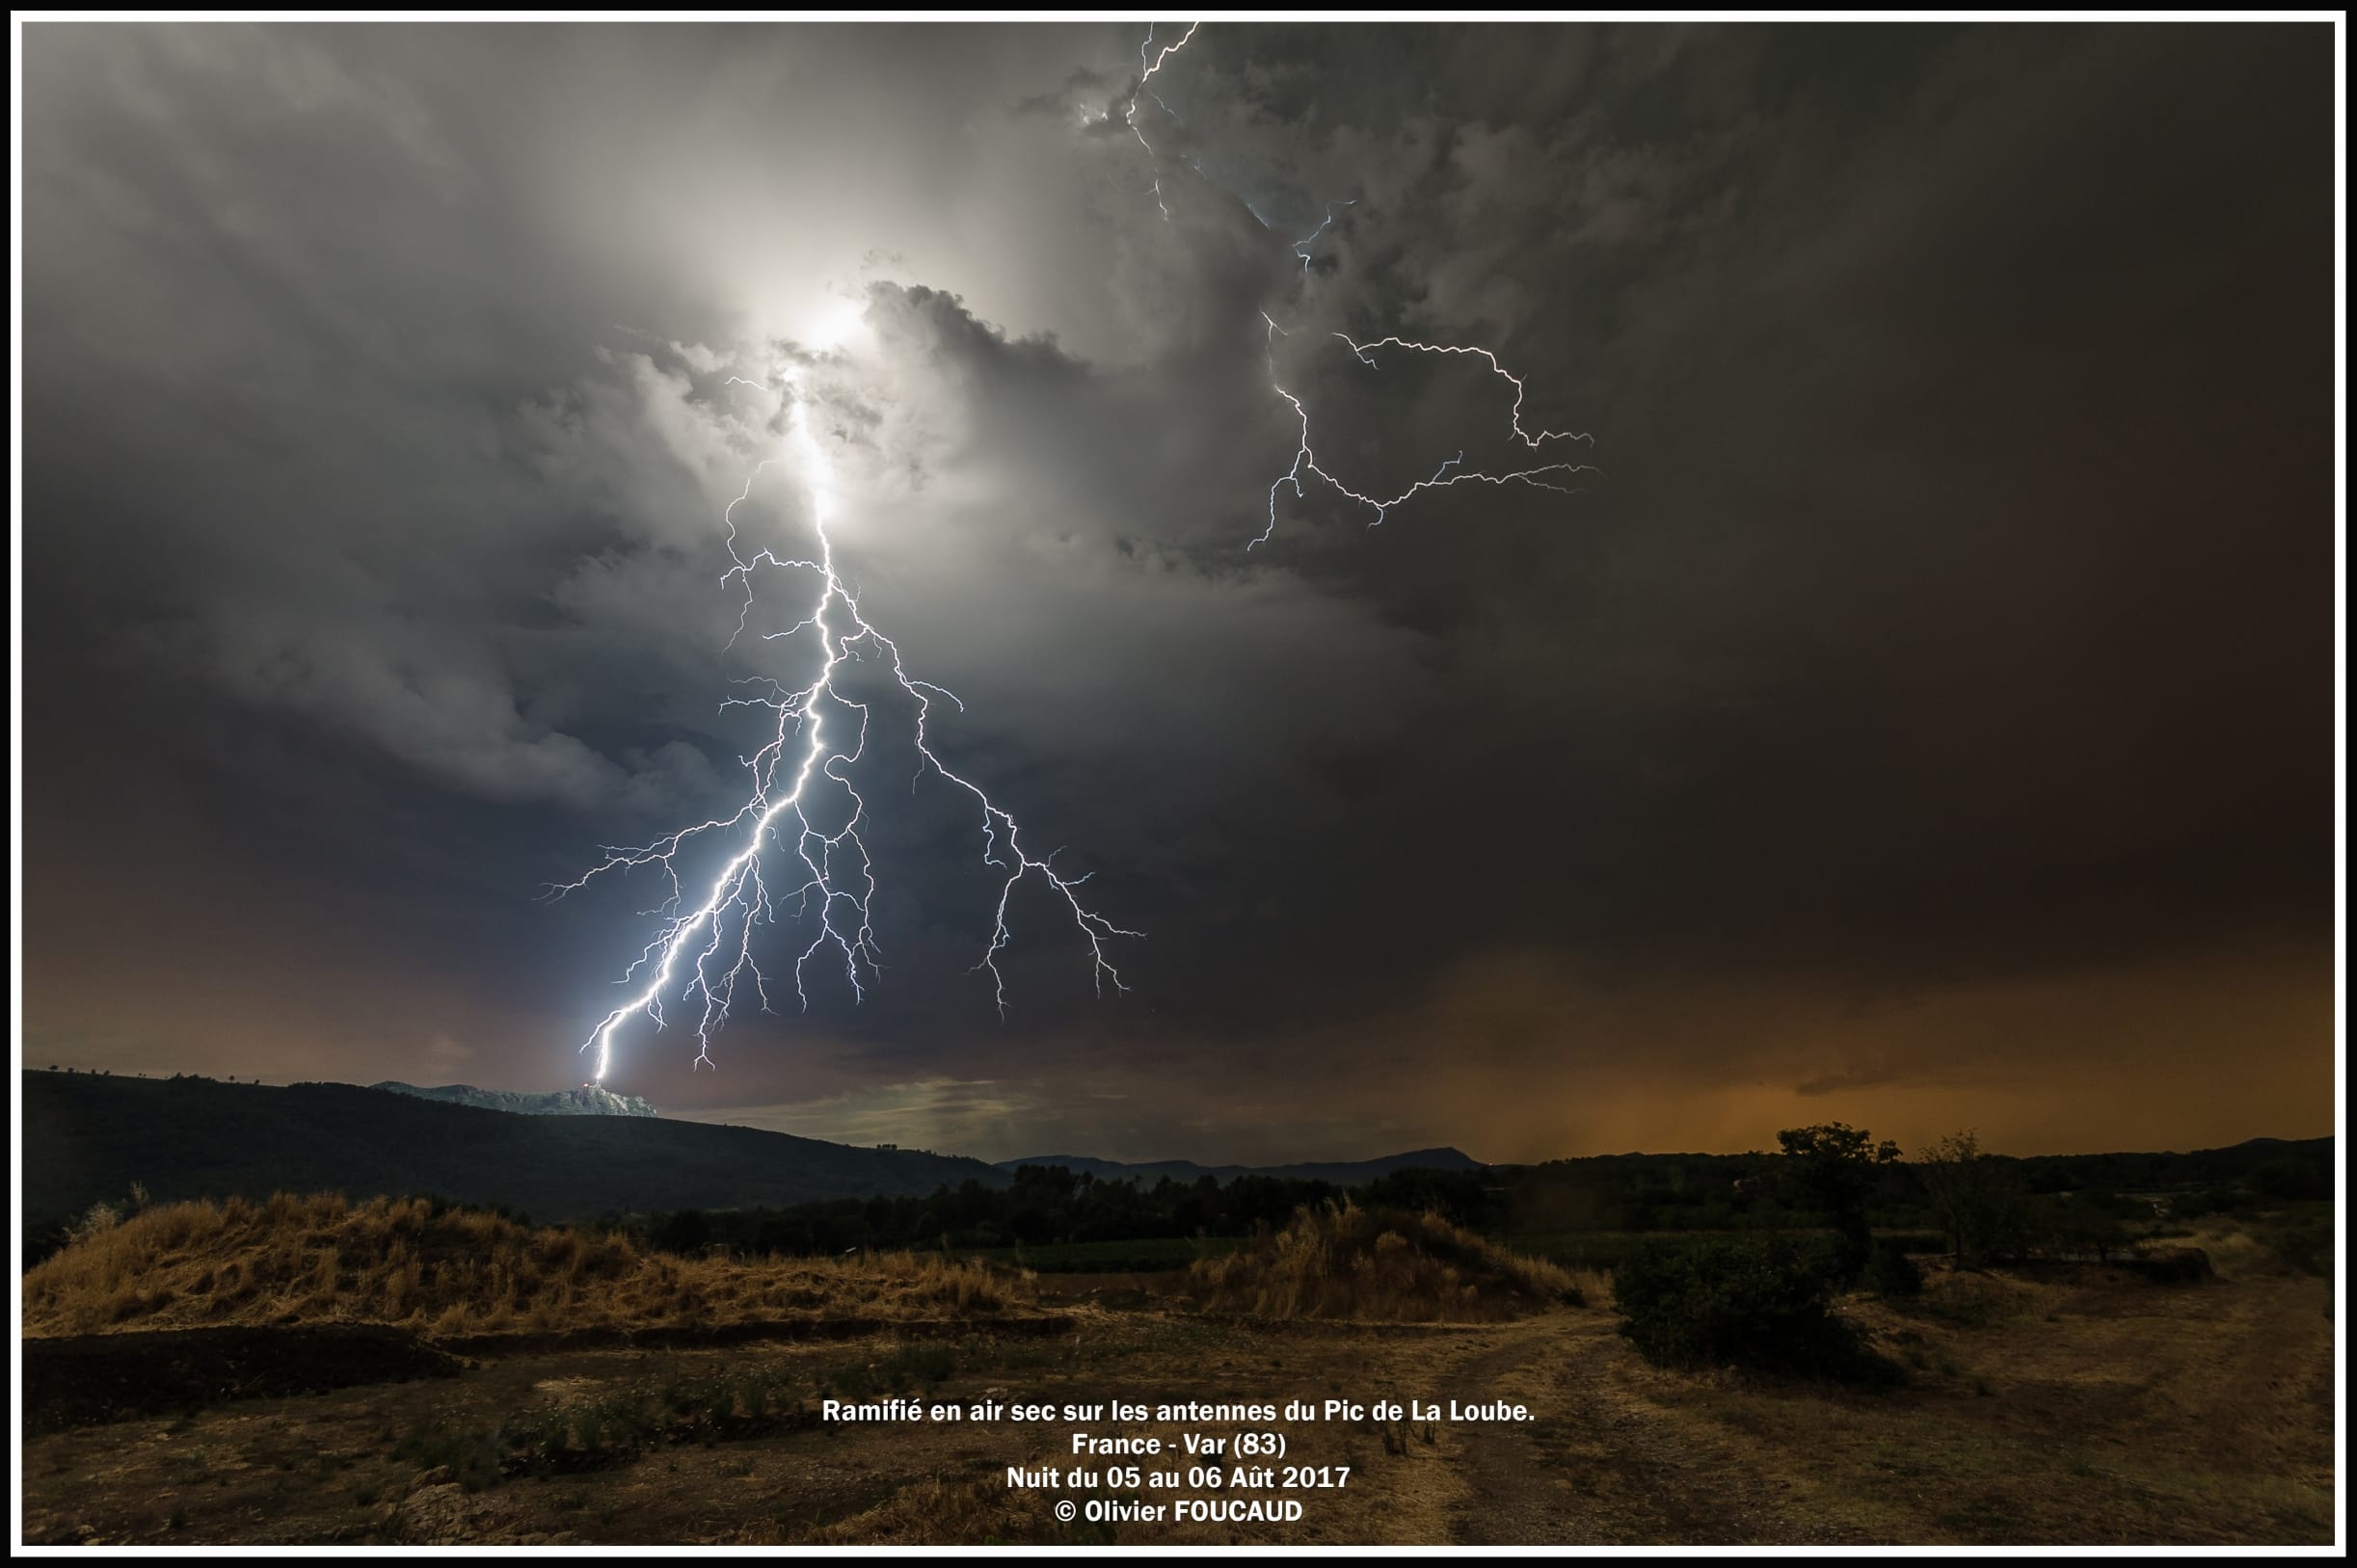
2305,1243
1765,1305
1890,1273
471,1454
2294,1176
2173,1266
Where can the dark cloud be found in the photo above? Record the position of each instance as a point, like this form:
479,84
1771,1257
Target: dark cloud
1949,620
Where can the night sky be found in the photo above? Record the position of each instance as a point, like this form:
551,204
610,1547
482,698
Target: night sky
1924,718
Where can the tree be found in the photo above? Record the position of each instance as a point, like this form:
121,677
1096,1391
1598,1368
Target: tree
1833,1168
1977,1195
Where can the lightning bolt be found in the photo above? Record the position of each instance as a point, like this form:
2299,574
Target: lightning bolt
1541,476
1301,247
1305,465
805,804
713,940
1145,73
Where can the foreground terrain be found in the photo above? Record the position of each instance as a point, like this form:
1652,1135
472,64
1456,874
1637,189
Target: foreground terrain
2079,1405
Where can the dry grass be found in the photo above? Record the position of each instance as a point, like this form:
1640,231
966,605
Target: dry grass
2079,1406
1378,1266
319,1260
2082,1405
1594,1286
972,1509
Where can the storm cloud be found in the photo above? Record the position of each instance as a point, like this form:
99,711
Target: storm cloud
1922,717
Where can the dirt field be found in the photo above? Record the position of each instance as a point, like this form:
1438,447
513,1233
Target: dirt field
2080,1408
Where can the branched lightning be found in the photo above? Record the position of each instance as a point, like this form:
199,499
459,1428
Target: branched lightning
791,809
1452,471
1146,70
1541,476
805,806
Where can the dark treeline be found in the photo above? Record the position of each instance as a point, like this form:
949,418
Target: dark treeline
2073,1201
1044,1205
90,1138
1758,1191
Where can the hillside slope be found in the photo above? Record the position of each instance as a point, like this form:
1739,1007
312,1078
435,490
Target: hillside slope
87,1139
321,1259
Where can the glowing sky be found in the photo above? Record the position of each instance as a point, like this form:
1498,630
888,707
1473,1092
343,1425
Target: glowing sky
1925,720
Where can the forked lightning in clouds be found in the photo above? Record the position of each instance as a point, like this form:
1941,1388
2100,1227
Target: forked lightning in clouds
1543,476
1146,70
1451,471
806,812
806,807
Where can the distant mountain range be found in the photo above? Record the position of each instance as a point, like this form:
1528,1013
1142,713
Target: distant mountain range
586,1100
1342,1172
574,1154
88,1138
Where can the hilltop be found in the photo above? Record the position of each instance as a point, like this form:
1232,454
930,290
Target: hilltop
588,1100
88,1138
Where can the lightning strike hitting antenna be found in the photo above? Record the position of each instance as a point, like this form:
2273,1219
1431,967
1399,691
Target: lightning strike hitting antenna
712,941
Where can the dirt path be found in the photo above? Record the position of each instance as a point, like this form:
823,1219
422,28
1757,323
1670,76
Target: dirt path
1597,1464
2095,1412
1511,1497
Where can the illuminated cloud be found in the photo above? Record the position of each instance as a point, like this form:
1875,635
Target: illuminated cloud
1945,623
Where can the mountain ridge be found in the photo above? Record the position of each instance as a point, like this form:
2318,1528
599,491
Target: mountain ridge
587,1099
88,1138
